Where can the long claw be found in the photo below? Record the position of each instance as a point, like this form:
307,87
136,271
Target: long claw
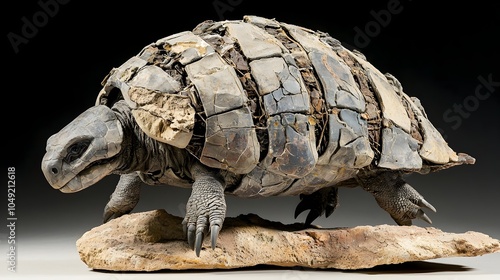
329,210
112,213
421,215
423,203
107,216
313,214
301,207
190,235
214,233
197,244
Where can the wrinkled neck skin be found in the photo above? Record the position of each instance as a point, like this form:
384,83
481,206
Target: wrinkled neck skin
142,153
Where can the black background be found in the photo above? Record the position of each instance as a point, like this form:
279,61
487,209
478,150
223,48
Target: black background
438,53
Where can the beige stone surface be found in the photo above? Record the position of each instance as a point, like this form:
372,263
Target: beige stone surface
151,241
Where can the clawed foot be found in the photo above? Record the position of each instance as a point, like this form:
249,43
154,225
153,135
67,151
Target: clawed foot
205,212
112,212
124,198
323,201
398,198
408,206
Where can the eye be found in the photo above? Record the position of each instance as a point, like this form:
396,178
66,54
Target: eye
76,150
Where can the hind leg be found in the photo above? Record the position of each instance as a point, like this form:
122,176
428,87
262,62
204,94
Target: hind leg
397,197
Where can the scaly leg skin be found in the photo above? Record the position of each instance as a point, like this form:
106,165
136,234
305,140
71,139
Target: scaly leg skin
322,201
397,197
205,209
124,198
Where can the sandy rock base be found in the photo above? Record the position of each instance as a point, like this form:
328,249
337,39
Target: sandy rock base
151,241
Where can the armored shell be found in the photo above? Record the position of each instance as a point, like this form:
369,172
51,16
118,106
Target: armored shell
285,110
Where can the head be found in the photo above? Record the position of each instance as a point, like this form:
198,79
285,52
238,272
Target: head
84,151
108,138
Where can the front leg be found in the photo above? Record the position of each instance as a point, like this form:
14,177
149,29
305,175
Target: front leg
205,209
124,198
397,197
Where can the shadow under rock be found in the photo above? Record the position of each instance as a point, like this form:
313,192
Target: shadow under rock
403,268
413,267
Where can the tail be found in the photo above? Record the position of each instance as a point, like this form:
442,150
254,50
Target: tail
463,158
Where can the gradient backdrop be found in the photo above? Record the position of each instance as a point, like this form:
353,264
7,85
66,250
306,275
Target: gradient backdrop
443,55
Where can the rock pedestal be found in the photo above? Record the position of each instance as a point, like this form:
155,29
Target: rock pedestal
154,240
